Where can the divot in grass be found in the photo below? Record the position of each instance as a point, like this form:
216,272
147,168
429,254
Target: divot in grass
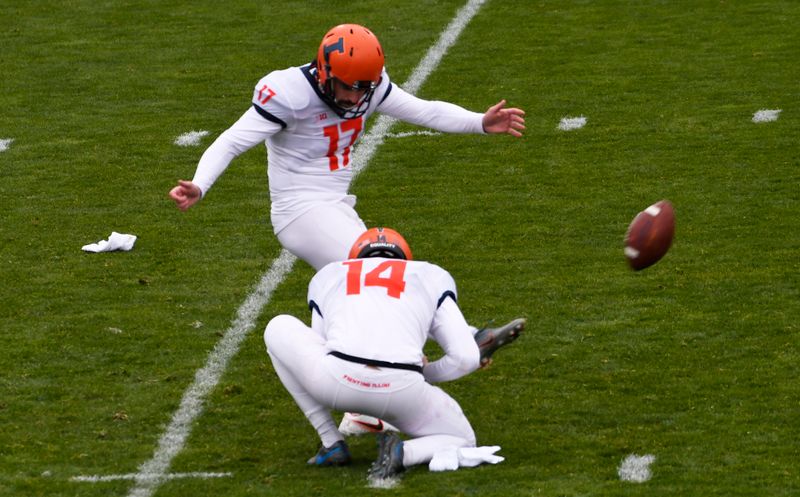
190,139
5,143
766,115
570,123
636,468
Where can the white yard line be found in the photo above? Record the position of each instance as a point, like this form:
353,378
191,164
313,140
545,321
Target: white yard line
447,38
407,134
134,476
154,471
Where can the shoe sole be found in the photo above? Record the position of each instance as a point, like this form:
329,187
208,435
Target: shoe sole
501,337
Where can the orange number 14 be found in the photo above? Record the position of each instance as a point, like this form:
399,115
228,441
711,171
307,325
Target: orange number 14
393,282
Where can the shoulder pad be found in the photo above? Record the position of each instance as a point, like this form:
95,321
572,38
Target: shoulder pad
282,93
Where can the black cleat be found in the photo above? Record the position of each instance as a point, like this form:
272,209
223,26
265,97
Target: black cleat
491,339
390,457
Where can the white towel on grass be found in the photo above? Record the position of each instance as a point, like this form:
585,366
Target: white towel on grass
117,241
464,457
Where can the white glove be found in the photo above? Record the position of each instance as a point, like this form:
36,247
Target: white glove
451,459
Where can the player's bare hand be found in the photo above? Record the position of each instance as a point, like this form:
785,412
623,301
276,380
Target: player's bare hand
185,195
498,119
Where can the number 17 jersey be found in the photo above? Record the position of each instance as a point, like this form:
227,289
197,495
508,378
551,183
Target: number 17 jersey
310,159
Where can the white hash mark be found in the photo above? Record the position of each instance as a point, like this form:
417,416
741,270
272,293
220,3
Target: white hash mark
766,115
570,123
190,139
636,468
5,143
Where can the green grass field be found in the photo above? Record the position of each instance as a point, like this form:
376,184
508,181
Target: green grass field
694,360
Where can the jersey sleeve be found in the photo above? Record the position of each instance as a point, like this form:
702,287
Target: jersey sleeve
276,97
250,130
440,284
270,112
441,116
461,354
314,298
315,294
450,330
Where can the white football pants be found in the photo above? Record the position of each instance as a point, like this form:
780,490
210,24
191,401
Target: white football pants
319,382
324,234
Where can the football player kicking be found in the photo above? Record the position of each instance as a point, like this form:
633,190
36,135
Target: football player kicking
310,117
371,317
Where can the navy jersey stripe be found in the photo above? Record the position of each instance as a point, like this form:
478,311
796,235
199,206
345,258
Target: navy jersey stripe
388,91
444,296
309,71
269,117
312,306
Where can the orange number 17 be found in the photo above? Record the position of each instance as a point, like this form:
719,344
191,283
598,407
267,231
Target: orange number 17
352,126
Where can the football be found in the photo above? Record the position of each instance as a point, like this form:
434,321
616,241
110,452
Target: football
650,235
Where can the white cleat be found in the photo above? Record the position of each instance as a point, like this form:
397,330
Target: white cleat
359,424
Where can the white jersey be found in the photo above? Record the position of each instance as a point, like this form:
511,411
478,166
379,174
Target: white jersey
309,146
386,309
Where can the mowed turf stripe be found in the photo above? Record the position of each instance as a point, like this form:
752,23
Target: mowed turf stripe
154,471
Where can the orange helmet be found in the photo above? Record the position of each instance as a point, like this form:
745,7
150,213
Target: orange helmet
351,54
381,242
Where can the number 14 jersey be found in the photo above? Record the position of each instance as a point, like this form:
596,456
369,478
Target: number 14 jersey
383,309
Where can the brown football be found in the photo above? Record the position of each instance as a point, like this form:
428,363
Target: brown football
650,235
